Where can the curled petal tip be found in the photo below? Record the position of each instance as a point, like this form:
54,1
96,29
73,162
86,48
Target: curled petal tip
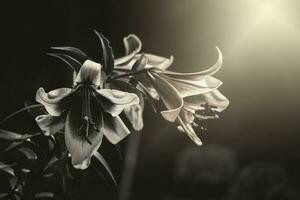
217,66
220,56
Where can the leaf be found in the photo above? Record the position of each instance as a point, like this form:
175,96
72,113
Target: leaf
7,168
99,173
107,54
17,196
44,195
70,61
13,182
101,159
12,136
140,63
2,195
13,145
36,111
51,162
48,175
19,111
28,153
79,53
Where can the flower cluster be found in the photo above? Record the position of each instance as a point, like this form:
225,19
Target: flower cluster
91,108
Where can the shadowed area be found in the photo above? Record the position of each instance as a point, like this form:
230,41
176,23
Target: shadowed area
260,42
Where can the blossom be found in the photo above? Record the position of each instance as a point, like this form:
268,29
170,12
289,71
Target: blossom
188,97
132,61
87,111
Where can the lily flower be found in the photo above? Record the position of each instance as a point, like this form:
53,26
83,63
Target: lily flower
188,97
133,61
87,112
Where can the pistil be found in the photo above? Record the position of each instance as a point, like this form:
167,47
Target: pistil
86,116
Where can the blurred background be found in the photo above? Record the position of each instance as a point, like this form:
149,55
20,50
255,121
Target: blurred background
255,141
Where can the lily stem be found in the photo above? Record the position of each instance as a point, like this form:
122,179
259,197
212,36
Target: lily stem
129,167
129,74
19,111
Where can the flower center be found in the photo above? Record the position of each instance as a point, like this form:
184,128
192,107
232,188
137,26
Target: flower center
202,115
86,90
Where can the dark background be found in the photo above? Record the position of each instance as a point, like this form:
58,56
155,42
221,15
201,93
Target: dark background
260,72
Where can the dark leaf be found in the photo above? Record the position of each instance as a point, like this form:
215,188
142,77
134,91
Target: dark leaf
35,111
28,153
51,162
103,178
19,111
70,61
17,196
77,52
101,159
13,145
2,195
12,136
49,175
7,168
44,195
107,54
51,142
140,63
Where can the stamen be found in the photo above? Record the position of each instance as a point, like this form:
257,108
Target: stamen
206,117
86,116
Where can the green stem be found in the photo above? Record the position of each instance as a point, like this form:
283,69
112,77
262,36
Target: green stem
129,167
129,74
19,111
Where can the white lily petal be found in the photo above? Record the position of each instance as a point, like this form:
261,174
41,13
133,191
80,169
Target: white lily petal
89,73
197,75
81,151
154,61
189,131
189,88
53,100
115,101
135,115
145,84
114,129
50,124
214,98
159,62
169,95
187,116
133,45
179,128
85,164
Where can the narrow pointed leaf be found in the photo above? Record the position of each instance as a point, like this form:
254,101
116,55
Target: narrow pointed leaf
51,162
20,111
104,178
74,50
107,54
44,195
13,145
35,111
2,195
12,136
7,168
28,153
101,159
70,61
